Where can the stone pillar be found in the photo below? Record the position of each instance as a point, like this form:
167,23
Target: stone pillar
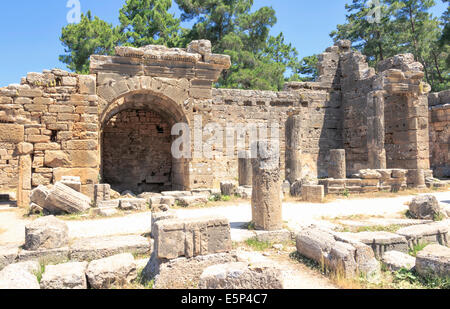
416,178
102,192
376,131
266,195
336,166
293,149
245,168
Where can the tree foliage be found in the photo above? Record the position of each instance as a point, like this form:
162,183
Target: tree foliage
259,60
405,26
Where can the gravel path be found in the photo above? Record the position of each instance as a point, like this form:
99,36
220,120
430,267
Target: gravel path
12,223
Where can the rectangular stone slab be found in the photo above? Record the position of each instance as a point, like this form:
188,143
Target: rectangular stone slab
191,237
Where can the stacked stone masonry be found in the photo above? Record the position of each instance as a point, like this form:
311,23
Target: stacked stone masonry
57,124
439,105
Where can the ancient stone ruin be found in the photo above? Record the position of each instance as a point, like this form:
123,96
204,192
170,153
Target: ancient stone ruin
114,125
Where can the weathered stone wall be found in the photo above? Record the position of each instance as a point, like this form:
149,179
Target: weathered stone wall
439,119
61,124
136,152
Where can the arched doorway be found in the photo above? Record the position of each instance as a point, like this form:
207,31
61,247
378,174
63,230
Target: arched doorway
136,145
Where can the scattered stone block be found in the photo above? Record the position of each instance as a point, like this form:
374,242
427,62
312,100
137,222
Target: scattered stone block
176,193
395,260
135,204
280,236
46,233
20,276
105,211
39,195
65,276
434,261
425,207
347,257
109,204
245,168
62,199
116,270
336,165
369,174
73,182
228,188
45,256
8,255
241,276
88,249
313,193
380,242
399,173
159,216
182,273
191,237
432,233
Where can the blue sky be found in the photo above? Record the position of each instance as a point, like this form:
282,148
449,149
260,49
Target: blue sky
30,30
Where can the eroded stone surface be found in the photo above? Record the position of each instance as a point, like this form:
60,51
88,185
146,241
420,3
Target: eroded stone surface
65,276
46,233
240,276
395,260
433,261
116,270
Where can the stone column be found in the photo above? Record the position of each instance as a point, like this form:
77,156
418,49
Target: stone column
293,148
416,178
245,168
376,131
102,192
266,195
336,166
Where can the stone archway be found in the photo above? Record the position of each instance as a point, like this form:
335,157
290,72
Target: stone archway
136,144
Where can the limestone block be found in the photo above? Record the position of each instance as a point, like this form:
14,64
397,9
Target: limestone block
436,233
245,169
137,204
88,249
102,192
380,242
56,158
191,237
116,270
313,193
336,165
73,182
46,233
39,195
187,201
20,276
182,272
434,261
396,260
8,255
65,276
228,188
12,133
64,199
266,194
25,148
